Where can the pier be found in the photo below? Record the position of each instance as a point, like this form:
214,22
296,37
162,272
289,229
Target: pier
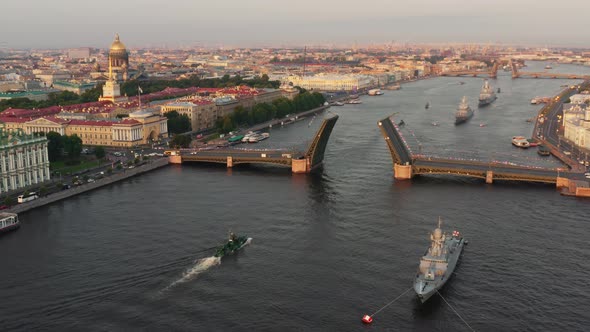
298,161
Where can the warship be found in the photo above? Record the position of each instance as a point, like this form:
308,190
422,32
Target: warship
487,94
234,244
464,112
438,263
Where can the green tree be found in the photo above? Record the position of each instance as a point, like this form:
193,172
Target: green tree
8,201
177,123
73,146
92,94
228,124
43,190
181,141
99,152
55,145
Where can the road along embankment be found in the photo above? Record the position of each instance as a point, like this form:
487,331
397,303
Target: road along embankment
150,166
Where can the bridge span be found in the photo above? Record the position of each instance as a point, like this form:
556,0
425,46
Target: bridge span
298,161
408,164
493,72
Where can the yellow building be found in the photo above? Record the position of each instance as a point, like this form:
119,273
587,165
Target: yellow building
202,114
141,127
210,104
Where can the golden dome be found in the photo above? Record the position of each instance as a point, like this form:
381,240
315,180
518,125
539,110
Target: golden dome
117,45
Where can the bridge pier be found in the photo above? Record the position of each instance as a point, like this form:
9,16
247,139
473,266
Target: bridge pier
562,182
402,172
176,159
301,165
489,177
230,162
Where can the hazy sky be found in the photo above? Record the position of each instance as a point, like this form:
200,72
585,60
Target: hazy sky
76,23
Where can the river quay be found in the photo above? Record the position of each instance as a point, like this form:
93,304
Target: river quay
42,201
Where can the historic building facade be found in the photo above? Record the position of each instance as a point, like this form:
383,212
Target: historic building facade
141,127
23,160
577,124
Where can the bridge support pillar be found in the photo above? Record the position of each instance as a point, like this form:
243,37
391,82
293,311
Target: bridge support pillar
402,172
300,165
562,182
175,159
489,177
230,162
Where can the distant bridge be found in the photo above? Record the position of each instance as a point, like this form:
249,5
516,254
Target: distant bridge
493,72
407,164
300,162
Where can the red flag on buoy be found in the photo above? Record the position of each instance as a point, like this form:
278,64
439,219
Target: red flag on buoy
367,319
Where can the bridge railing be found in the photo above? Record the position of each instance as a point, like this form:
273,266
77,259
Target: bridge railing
491,163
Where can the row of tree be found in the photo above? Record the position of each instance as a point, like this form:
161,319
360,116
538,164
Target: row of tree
55,98
60,146
262,112
130,87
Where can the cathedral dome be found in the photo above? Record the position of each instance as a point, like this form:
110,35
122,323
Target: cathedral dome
118,46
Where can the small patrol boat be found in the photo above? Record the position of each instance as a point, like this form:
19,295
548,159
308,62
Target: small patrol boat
438,263
234,244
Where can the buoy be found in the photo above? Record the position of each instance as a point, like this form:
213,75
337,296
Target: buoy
367,319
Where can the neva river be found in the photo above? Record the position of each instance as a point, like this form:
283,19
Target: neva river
327,248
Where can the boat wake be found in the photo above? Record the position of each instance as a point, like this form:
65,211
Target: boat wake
200,266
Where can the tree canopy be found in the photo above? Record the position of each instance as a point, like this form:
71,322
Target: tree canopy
181,141
177,123
99,152
130,87
64,146
262,112
53,99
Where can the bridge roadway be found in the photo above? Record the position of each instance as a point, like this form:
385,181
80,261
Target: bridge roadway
407,164
484,170
242,156
300,162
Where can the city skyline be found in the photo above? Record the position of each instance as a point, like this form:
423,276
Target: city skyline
258,23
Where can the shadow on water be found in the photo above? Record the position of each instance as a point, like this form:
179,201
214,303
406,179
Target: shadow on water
254,169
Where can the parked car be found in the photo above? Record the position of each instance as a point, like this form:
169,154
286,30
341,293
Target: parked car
4,207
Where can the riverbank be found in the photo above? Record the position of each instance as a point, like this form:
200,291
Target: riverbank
271,123
150,166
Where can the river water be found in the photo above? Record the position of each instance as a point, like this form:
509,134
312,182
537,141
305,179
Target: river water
327,248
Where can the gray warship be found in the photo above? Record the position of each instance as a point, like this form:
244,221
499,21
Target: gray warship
487,94
438,263
464,112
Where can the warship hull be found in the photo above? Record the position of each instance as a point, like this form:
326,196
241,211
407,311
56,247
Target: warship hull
487,101
425,288
459,119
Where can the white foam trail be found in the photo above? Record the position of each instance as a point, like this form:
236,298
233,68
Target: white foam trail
201,265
